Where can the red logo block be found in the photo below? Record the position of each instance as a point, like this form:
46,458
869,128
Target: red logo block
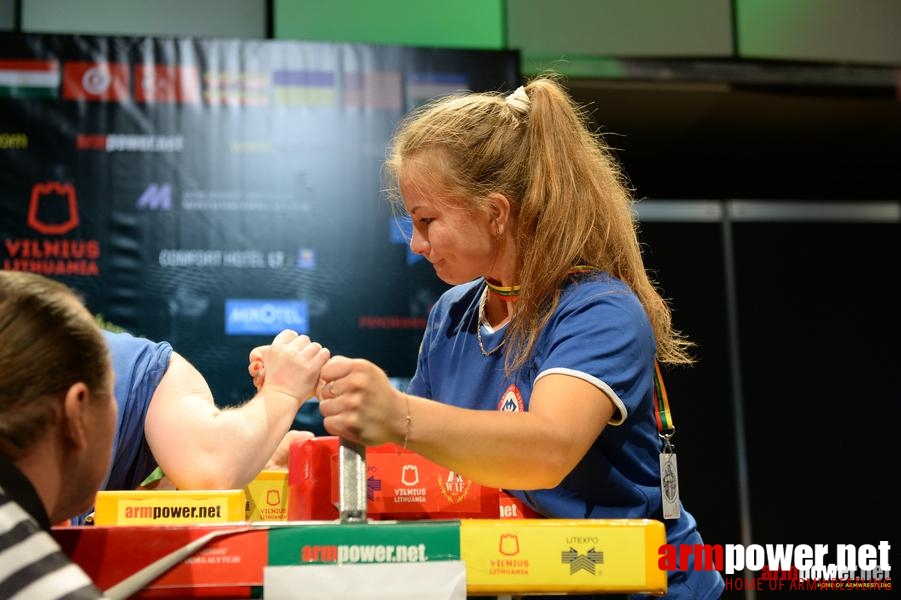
52,191
101,82
167,84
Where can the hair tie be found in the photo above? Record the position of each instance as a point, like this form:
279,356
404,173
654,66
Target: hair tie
519,100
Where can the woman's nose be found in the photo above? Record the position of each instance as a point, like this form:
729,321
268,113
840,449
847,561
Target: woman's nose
418,243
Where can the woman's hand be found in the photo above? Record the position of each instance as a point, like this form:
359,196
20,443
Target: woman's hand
359,404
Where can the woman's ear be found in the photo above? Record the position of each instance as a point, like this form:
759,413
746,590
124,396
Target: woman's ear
499,210
75,414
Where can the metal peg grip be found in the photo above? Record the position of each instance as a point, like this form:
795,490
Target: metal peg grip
352,482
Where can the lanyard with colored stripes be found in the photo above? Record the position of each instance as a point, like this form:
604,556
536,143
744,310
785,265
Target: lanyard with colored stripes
662,413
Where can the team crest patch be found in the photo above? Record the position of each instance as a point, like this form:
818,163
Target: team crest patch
511,401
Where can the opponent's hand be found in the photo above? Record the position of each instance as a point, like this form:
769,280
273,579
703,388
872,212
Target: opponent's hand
290,365
255,366
282,455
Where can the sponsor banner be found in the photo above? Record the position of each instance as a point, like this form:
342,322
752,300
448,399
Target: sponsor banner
168,507
265,317
155,197
129,143
52,212
560,555
211,257
258,201
143,173
385,542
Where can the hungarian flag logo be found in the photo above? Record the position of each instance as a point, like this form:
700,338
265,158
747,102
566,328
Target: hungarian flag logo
29,78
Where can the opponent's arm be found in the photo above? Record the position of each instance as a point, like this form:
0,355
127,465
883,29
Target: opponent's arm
200,446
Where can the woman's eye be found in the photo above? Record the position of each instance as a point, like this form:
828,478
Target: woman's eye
425,221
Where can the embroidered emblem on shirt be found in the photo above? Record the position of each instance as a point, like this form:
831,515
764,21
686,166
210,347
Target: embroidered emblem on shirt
511,401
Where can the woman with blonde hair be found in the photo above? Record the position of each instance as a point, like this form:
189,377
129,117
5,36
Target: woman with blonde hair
536,372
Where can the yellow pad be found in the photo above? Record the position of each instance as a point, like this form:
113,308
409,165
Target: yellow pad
168,507
563,555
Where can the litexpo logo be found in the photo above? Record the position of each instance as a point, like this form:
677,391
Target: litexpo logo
785,566
373,485
52,211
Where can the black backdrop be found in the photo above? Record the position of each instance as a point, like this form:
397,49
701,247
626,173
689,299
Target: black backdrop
212,192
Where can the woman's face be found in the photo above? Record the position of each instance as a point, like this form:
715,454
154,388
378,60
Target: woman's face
460,244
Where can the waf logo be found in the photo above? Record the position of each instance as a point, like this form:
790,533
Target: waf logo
60,195
52,211
511,401
454,488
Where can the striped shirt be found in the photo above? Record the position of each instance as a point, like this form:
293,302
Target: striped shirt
32,565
